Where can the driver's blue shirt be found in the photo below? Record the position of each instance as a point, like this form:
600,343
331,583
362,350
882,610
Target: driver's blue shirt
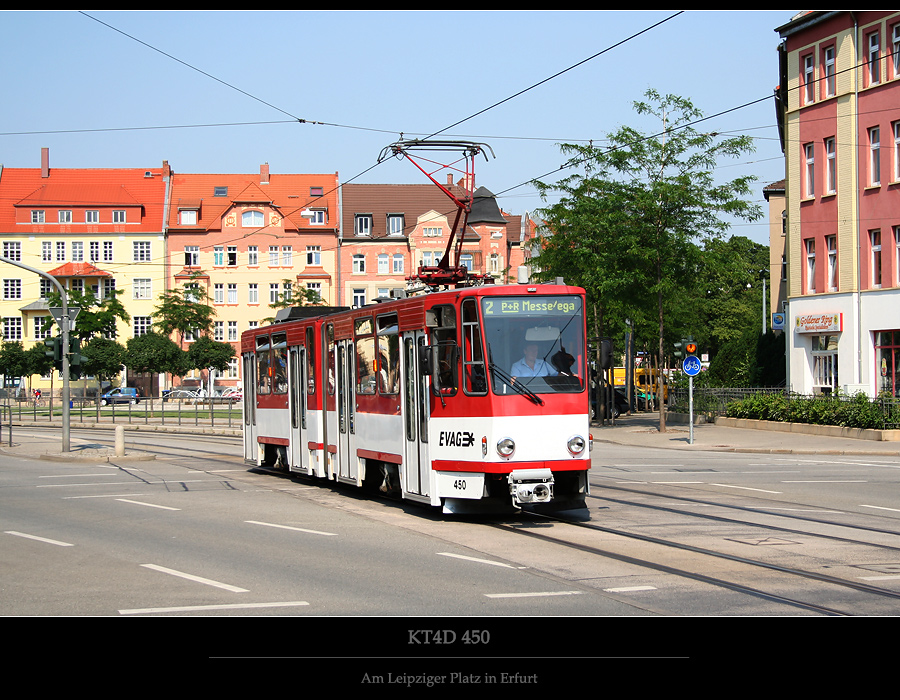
541,369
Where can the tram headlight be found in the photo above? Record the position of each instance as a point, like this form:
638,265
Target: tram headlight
576,445
506,447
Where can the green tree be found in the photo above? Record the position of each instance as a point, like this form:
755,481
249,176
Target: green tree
289,297
98,317
665,200
105,358
184,310
154,352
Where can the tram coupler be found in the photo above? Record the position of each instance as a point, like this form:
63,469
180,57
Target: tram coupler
531,486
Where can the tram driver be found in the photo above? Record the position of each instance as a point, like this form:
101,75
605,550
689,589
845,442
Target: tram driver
531,365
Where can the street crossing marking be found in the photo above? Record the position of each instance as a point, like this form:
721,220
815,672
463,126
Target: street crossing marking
197,579
289,527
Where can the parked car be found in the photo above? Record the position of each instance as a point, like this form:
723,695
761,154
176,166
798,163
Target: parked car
234,394
123,394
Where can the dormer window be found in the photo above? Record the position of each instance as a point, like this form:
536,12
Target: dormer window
252,219
187,217
220,192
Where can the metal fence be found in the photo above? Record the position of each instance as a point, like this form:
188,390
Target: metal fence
780,404
201,411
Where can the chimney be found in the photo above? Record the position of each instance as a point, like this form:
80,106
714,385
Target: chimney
45,162
449,179
264,174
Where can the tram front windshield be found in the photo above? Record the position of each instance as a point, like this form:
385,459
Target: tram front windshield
534,344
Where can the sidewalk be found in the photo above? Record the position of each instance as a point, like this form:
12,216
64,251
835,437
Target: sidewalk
643,430
640,430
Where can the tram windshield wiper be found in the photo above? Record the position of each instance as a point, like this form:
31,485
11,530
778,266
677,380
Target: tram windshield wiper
518,387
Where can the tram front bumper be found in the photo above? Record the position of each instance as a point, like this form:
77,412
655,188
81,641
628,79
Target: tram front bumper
531,486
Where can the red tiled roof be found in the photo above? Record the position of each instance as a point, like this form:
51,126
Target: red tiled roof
81,269
82,188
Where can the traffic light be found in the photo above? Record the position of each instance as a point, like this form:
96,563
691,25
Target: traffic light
76,359
690,347
53,351
679,348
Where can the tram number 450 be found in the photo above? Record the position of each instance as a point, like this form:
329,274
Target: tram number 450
459,484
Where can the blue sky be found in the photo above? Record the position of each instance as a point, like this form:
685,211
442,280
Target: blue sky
97,95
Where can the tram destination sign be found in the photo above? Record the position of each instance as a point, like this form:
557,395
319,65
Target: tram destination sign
531,306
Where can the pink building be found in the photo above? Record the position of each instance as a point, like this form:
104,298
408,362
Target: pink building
840,91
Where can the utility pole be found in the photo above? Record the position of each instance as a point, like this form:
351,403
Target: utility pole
64,326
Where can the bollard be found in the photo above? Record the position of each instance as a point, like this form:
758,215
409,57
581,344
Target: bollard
120,441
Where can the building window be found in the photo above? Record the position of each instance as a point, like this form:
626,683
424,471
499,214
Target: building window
12,328
359,263
874,63
382,264
141,325
830,167
875,244
39,323
897,255
809,154
92,216
77,285
875,156
315,288
252,219
94,250
187,217
108,251
46,251
363,225
395,224
218,331
12,250
432,231
12,289
825,362
359,298
60,251
828,56
810,266
218,293
37,216
232,293
77,251
64,216
273,256
273,293
231,258
252,256
232,331
218,256
831,244
287,256
192,256
118,216
809,73
142,289
398,264
896,128
313,255
253,293
317,217
887,359
142,251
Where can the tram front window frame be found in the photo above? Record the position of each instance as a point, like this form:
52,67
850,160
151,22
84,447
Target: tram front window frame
554,323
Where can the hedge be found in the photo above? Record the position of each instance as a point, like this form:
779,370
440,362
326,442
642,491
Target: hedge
857,411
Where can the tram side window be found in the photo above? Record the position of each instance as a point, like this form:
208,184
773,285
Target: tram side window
473,350
263,362
443,335
365,357
279,363
332,370
310,361
388,355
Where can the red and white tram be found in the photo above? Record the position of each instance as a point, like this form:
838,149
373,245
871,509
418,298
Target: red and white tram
429,398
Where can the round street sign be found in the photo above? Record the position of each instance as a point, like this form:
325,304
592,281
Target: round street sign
691,366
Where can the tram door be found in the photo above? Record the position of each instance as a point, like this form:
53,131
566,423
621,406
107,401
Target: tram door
415,416
249,378
299,456
347,467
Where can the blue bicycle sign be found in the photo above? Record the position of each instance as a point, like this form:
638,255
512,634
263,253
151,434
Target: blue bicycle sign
691,366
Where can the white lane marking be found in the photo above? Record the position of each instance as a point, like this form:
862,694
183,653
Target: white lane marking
824,481
479,561
893,510
197,579
105,495
743,488
890,577
630,589
202,608
39,539
289,527
69,476
531,595
149,505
